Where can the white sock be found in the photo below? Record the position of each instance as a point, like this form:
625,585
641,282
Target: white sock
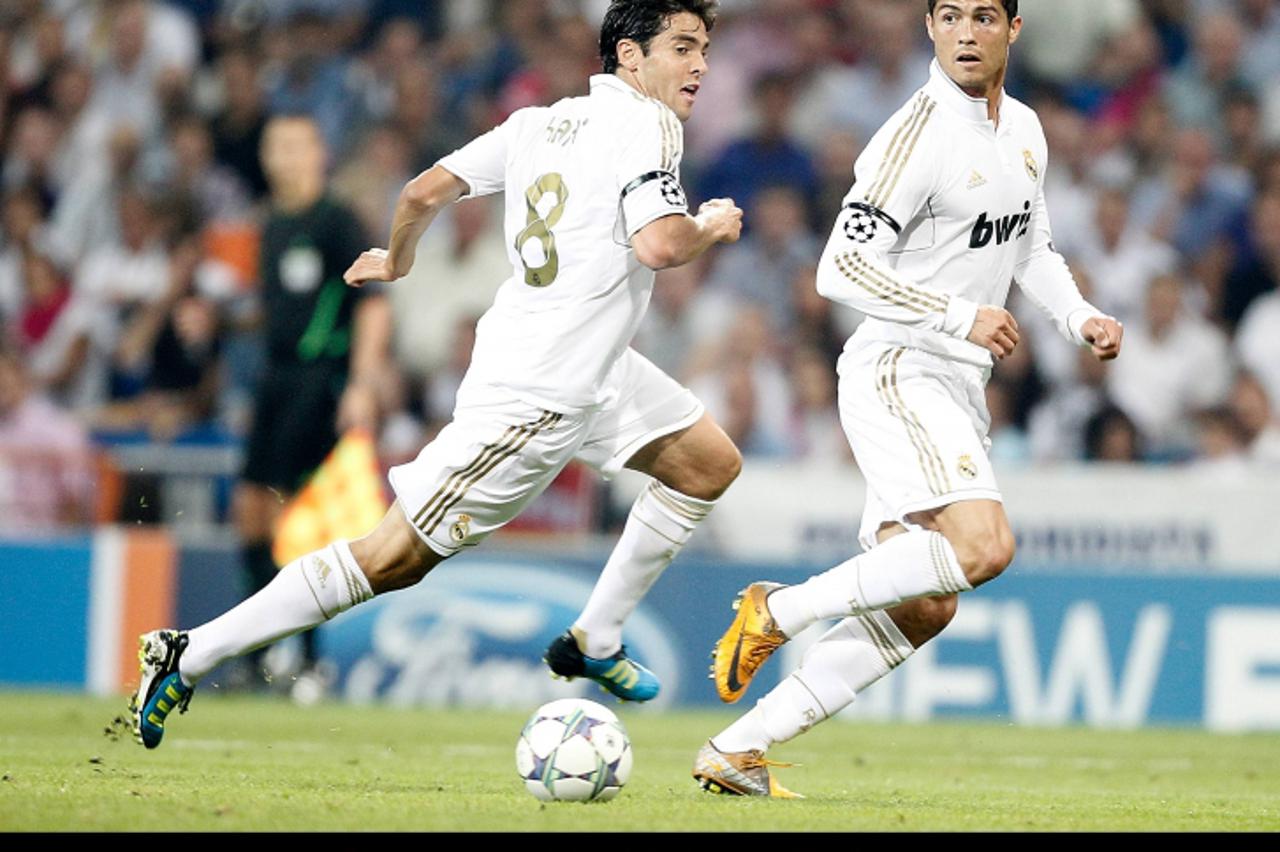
308,591
846,660
660,522
917,564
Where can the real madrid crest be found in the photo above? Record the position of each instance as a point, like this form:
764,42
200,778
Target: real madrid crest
1033,171
461,529
967,468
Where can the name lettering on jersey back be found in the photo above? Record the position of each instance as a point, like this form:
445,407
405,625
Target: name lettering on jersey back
564,132
1001,228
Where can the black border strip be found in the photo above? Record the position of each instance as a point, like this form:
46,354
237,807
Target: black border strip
656,174
873,211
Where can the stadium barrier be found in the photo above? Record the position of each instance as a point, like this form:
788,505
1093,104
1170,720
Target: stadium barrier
1110,518
1137,597
73,606
1034,647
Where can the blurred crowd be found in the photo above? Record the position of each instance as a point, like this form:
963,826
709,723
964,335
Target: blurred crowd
132,197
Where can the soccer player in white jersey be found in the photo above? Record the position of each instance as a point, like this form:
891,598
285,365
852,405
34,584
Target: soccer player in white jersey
593,207
947,208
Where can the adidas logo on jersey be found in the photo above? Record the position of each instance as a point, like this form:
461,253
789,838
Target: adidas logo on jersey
1002,228
976,180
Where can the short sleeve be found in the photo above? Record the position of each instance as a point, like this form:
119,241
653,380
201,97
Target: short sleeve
648,168
482,163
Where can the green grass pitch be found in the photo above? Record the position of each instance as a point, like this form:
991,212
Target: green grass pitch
245,764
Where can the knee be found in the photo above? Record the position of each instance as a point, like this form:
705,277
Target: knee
712,475
985,559
725,469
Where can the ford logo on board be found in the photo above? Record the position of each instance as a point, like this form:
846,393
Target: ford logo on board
474,634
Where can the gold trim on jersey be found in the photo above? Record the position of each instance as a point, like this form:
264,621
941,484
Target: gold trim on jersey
449,493
888,651
900,149
670,138
930,460
858,270
893,143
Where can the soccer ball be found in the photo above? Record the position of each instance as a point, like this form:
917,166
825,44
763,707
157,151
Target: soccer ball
573,750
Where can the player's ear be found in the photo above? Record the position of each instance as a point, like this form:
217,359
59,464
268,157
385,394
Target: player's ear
1015,28
629,54
928,26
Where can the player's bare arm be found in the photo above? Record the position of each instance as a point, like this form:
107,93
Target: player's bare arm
1104,335
420,202
995,330
676,240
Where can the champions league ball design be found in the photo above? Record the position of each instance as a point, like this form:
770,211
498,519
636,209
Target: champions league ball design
573,750
672,192
860,226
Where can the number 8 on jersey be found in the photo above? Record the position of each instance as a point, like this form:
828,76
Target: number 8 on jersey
539,228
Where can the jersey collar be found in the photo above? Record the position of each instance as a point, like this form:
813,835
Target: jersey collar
600,82
945,91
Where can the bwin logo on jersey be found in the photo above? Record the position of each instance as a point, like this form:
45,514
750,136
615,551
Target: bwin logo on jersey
1003,228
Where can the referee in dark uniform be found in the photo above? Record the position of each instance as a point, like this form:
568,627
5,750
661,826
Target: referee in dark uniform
326,343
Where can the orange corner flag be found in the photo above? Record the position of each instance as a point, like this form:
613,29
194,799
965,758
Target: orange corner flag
343,499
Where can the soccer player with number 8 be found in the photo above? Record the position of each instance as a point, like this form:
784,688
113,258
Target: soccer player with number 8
593,207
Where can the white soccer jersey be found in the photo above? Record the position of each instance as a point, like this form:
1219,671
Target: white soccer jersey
945,210
581,178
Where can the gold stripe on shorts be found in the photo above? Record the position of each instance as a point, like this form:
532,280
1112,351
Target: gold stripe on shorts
491,460
926,452
466,470
932,448
508,437
882,391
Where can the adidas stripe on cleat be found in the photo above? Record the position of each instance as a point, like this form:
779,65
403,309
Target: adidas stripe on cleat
619,675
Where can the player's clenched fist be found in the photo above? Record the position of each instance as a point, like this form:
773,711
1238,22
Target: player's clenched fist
1103,335
372,265
995,330
723,217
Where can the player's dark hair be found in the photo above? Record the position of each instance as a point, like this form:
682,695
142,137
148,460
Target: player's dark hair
642,20
1010,7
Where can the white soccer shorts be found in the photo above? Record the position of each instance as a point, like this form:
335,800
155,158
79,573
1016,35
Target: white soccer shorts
918,427
495,457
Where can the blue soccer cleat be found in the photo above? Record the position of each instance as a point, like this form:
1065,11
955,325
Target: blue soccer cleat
619,674
161,690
